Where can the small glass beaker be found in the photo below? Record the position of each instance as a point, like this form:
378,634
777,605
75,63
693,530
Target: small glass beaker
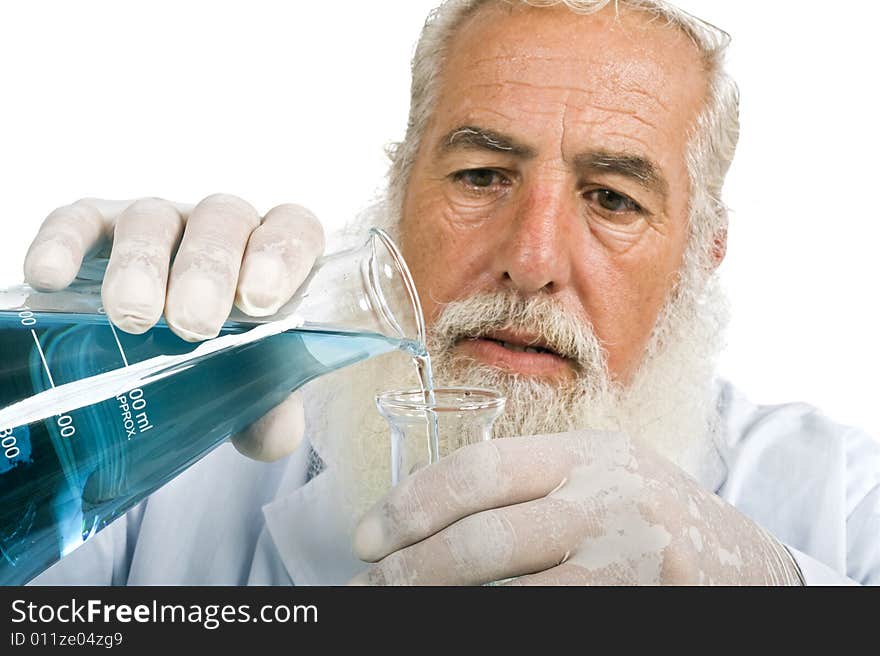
460,416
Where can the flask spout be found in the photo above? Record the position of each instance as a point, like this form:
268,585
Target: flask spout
368,289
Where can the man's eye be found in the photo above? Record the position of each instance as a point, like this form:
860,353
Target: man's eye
612,201
480,178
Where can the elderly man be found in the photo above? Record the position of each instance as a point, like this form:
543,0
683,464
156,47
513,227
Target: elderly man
557,198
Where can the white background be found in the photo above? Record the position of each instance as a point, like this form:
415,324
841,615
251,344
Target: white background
294,101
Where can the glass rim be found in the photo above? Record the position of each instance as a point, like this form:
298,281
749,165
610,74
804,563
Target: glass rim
414,399
409,285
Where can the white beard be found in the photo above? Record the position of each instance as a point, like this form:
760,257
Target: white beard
669,404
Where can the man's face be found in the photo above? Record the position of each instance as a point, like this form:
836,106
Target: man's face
554,164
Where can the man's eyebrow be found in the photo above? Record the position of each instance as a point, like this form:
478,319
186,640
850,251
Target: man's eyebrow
636,167
477,138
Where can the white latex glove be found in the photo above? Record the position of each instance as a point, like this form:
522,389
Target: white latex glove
583,508
225,253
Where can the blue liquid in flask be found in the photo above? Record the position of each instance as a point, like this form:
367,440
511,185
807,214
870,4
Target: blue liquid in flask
64,478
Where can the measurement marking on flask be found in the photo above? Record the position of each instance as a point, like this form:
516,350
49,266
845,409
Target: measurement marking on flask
42,357
65,422
118,343
130,401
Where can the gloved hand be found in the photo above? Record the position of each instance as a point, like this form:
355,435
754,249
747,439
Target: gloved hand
226,254
583,508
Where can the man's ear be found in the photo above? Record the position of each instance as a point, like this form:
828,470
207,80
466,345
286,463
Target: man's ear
719,247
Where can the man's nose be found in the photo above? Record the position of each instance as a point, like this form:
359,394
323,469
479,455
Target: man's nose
534,254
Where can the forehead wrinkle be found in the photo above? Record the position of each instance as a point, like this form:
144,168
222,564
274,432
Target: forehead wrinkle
532,56
565,88
598,113
529,85
486,111
566,108
600,94
630,137
481,113
612,113
638,91
600,80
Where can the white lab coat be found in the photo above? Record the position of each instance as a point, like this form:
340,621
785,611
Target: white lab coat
812,483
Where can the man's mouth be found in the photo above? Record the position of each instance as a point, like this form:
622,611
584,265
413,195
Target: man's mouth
517,352
520,348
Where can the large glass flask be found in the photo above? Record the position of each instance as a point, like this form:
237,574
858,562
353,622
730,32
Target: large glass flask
74,456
